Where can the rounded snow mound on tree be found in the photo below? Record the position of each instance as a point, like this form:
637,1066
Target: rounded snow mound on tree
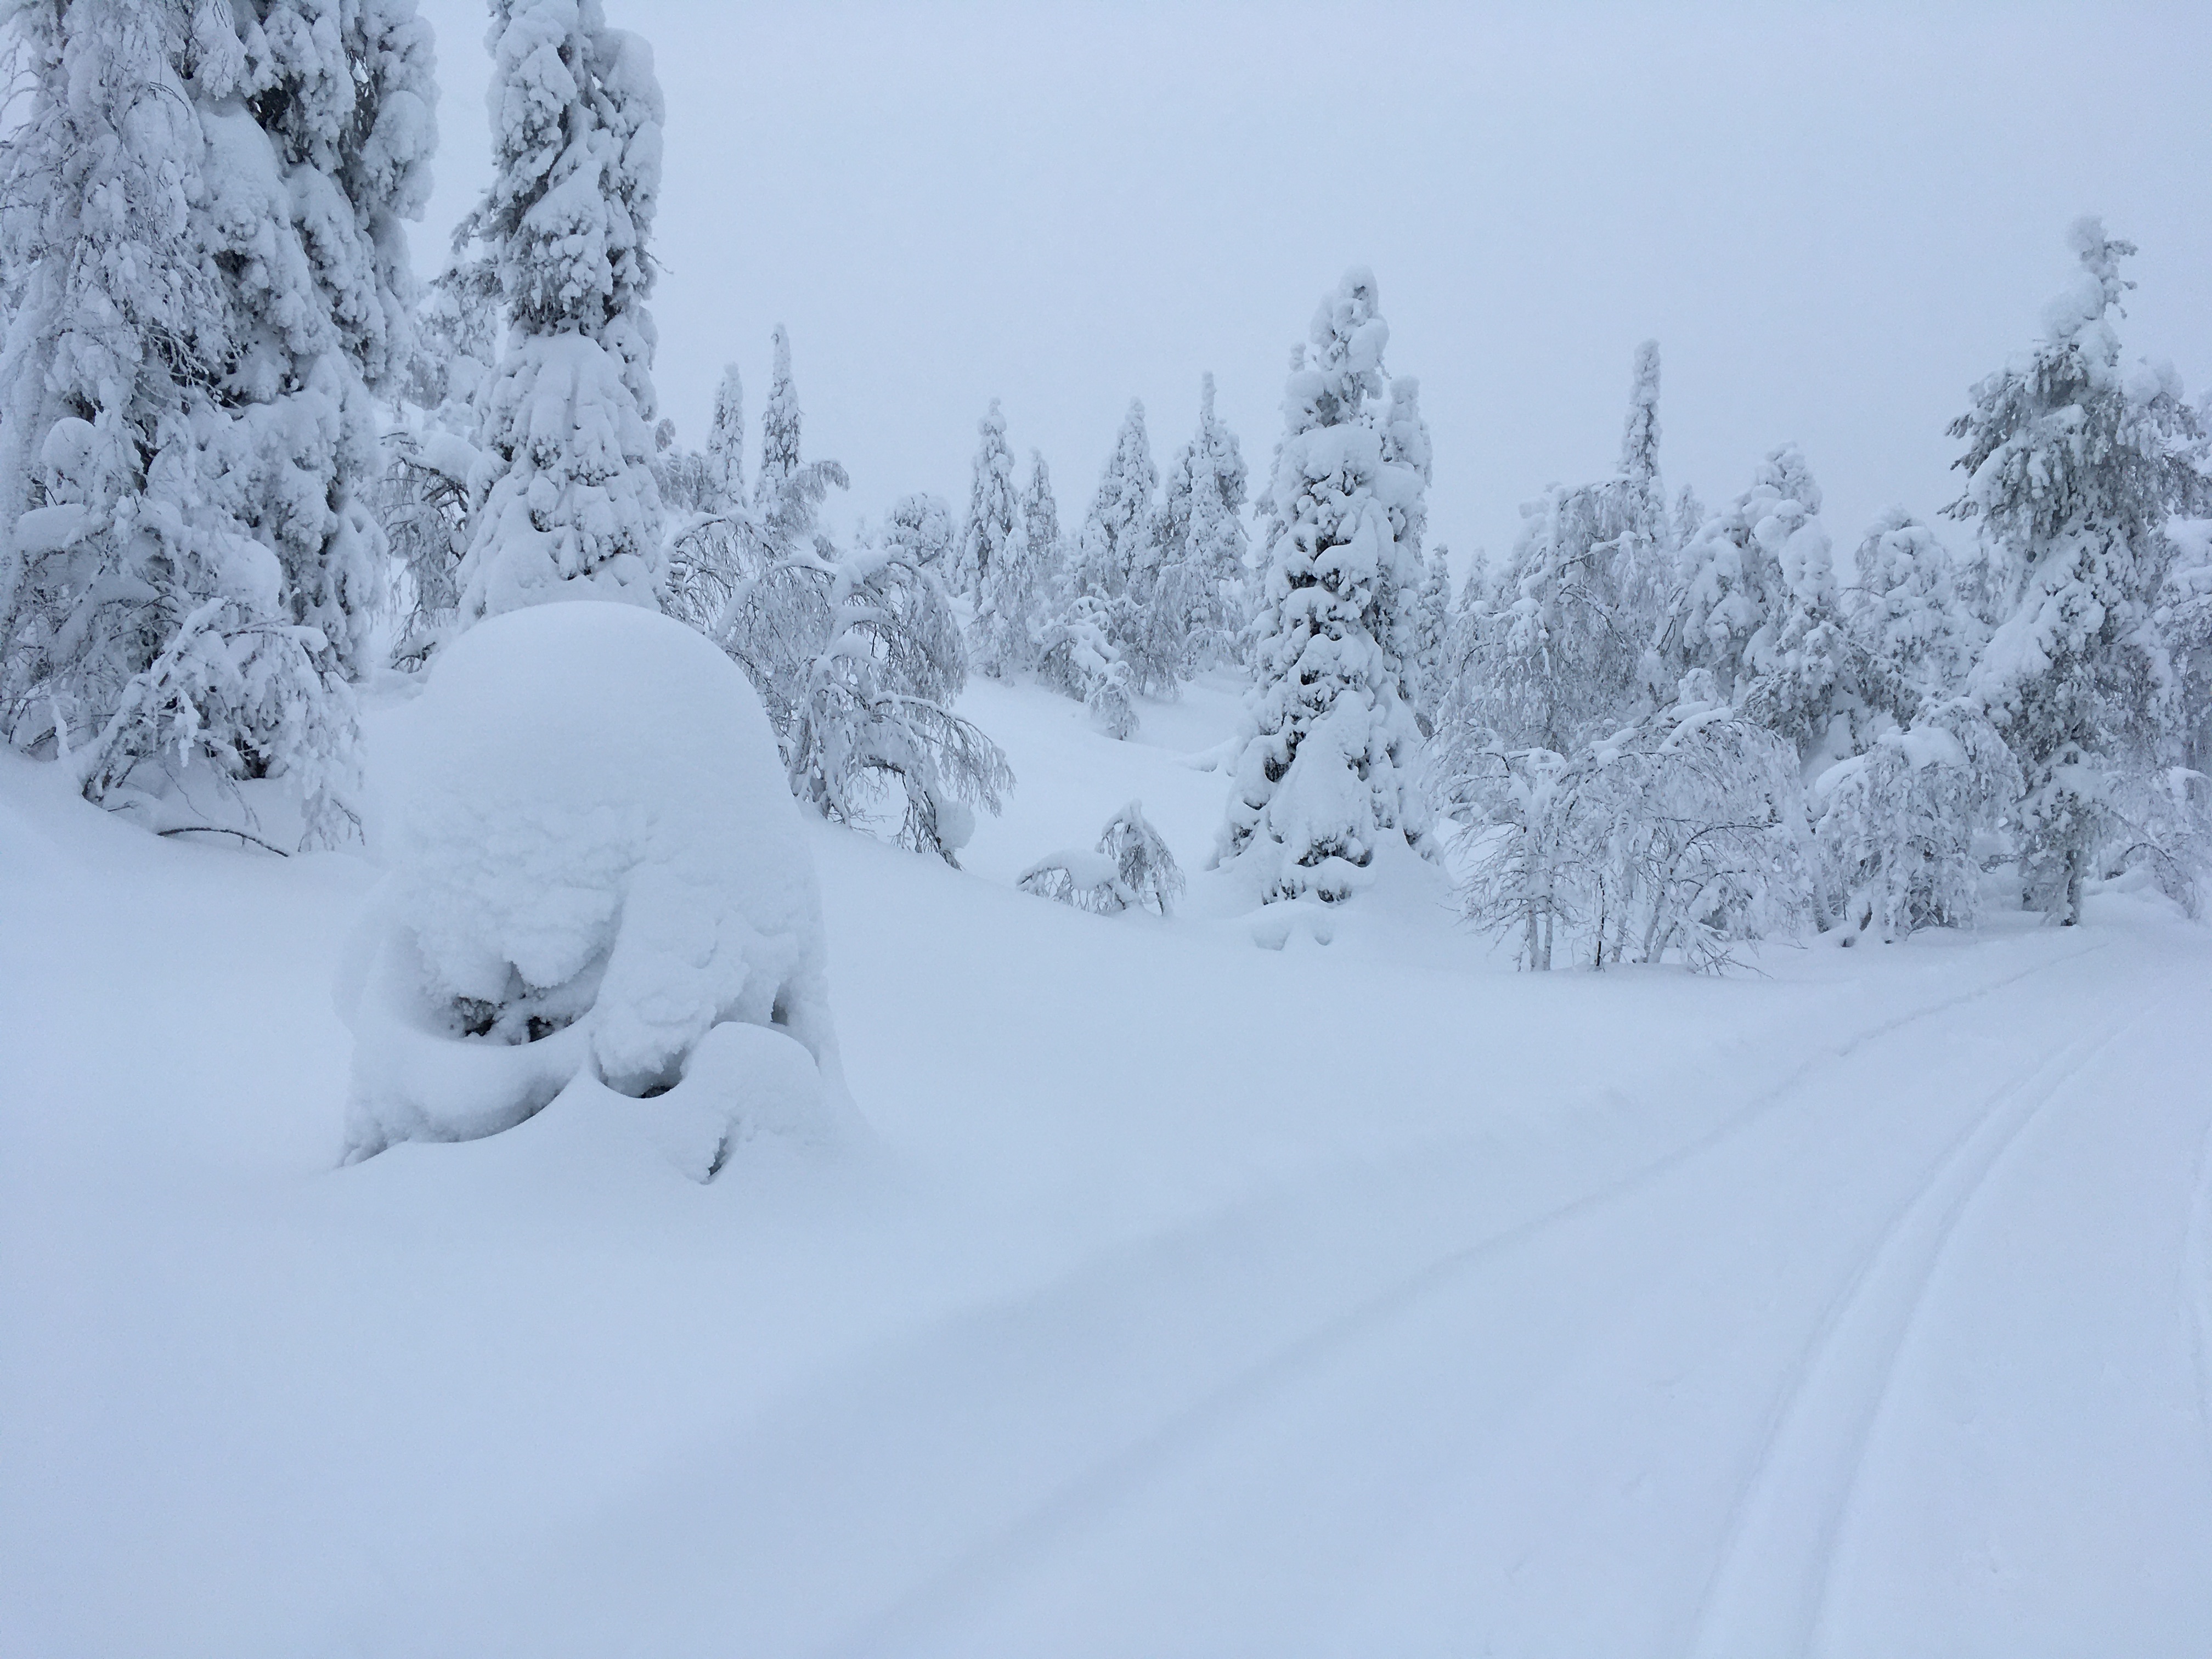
594,863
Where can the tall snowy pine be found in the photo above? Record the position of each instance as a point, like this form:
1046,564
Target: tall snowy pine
990,518
1197,613
568,507
202,233
1326,773
2073,467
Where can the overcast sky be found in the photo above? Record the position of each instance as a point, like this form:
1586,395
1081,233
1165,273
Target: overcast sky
1833,218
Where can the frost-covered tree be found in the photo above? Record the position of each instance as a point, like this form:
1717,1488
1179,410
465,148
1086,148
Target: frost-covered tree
430,448
1325,774
1912,635
1131,869
726,443
1757,606
994,562
1197,612
568,504
2073,466
1432,622
1040,535
1565,649
1114,553
1896,824
1681,833
872,722
201,230
991,509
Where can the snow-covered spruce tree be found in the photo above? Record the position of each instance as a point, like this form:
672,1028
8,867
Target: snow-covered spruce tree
2073,467
1112,575
207,275
1549,661
730,561
1324,777
990,518
566,503
1040,526
726,445
1197,612
1912,638
1758,608
1432,622
1565,649
993,560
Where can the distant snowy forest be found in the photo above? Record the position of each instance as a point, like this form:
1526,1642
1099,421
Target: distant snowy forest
251,466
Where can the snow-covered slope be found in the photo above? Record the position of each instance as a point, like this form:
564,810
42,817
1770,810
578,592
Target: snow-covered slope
1200,1287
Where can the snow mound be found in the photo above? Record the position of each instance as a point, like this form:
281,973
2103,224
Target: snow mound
595,864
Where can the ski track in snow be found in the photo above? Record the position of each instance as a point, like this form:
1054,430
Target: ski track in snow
1061,1511
1888,1289
2195,1288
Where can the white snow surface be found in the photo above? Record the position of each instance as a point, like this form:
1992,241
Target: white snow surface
1188,1296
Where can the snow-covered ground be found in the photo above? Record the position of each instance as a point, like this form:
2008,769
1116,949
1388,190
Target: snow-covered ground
1300,1283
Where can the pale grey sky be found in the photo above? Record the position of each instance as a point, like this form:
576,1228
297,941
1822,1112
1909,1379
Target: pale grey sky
1833,217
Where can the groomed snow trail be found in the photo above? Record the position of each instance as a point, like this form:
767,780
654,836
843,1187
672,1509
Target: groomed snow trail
1898,1358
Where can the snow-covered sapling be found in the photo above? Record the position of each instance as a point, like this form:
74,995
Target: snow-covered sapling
1131,869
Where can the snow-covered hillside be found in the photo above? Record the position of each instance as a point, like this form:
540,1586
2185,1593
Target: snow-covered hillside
1201,1286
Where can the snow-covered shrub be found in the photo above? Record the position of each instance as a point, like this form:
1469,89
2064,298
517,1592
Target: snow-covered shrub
1077,656
1131,869
594,864
1683,832
1896,825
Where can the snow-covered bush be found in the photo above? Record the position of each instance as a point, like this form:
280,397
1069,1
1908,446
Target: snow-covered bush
1077,656
1131,869
1683,832
595,866
1896,825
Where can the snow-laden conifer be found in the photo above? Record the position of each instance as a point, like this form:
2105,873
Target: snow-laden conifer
1197,615
1040,533
208,278
568,507
989,524
2073,466
994,562
726,443
1324,777
1432,622
1911,633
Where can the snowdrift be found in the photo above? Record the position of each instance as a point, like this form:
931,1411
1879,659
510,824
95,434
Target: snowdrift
597,885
